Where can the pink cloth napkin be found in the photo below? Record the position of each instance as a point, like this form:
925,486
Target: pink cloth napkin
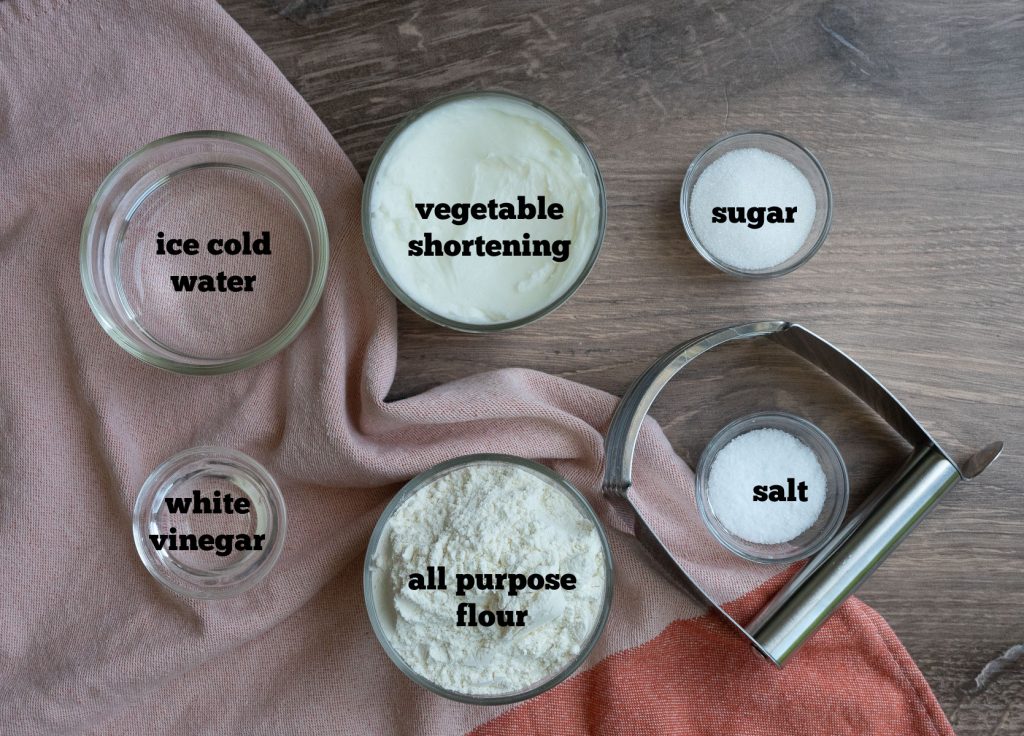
90,643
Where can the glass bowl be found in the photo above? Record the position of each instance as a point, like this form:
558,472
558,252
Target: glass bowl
244,252
424,479
791,151
833,510
216,568
379,263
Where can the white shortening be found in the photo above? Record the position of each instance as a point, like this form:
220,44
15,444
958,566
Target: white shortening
473,151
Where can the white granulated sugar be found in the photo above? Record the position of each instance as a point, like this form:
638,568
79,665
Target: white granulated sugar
750,177
488,518
765,457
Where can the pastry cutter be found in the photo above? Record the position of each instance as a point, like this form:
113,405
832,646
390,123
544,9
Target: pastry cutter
863,542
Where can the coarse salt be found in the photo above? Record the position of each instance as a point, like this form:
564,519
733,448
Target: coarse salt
744,178
765,457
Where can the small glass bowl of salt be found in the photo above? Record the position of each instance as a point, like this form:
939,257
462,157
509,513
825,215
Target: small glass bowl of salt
756,204
772,487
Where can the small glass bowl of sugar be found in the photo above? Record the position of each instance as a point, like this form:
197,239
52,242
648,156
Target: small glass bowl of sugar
756,204
772,487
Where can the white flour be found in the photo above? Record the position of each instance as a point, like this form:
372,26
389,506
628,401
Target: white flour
488,518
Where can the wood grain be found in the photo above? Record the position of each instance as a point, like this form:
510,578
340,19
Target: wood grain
916,110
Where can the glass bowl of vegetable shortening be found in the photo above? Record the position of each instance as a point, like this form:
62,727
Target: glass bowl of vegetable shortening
772,487
483,211
756,204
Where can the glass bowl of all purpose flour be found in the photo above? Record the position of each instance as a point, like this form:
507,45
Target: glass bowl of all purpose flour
483,211
756,204
488,579
204,252
209,522
772,487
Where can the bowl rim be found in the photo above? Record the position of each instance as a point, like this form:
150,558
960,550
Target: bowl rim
827,531
428,314
690,179
317,237
422,480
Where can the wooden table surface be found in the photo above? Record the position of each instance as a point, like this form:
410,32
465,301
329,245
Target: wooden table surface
916,111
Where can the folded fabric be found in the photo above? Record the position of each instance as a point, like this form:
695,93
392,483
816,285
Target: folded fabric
90,643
